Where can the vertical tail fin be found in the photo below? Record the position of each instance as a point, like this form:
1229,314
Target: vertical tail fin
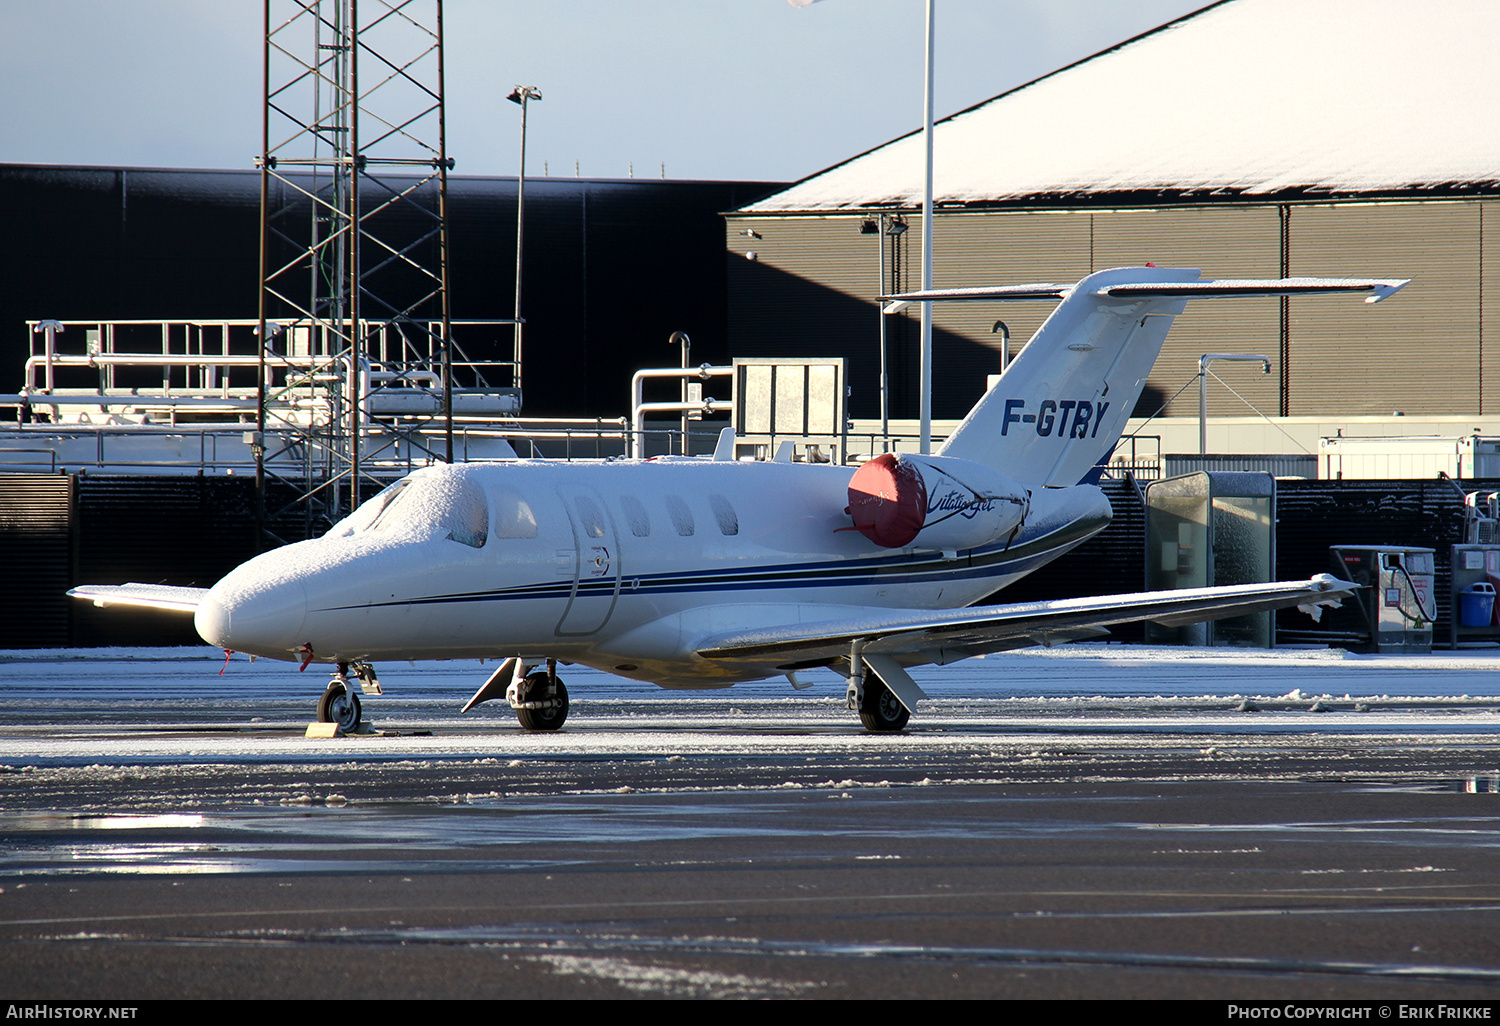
1061,405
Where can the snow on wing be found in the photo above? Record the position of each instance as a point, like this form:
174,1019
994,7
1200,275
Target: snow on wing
151,596
915,636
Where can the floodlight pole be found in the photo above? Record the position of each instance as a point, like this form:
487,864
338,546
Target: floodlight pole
886,226
521,95
926,357
885,388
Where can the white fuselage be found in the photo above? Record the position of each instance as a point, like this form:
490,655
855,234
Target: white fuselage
701,573
620,565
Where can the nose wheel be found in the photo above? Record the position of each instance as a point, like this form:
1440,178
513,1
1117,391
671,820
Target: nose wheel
339,705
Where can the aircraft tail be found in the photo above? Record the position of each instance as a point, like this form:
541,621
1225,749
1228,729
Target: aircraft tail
1060,407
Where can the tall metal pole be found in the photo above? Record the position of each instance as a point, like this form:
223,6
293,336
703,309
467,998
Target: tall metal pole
444,165
522,95
926,362
354,165
520,219
885,391
687,344
259,448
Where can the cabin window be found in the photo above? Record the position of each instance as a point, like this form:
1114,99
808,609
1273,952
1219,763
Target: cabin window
636,516
466,514
682,517
514,517
729,521
590,517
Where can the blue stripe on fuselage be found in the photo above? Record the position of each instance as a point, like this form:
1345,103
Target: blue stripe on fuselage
997,560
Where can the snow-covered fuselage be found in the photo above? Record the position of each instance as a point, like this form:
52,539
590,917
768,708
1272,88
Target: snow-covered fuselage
621,565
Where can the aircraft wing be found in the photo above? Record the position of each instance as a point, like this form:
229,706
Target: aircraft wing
151,596
912,637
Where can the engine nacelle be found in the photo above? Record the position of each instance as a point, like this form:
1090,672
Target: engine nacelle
934,502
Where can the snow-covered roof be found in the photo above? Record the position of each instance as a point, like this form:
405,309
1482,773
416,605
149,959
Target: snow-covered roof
1247,97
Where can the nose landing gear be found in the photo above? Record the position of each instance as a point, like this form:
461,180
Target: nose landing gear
339,704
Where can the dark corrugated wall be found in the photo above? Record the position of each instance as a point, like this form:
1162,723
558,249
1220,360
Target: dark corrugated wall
165,530
811,288
36,550
613,267
57,531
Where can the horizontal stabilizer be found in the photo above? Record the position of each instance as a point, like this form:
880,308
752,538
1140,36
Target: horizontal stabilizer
1044,290
1057,412
149,596
1247,287
1378,289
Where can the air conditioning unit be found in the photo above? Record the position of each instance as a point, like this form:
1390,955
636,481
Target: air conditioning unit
1482,518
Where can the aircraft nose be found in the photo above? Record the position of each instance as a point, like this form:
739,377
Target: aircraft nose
264,621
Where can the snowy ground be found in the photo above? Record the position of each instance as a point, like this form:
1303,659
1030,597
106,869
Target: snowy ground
134,705
1095,820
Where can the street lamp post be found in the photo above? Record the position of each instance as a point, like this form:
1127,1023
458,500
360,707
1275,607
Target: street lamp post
676,338
521,95
1003,330
926,359
887,226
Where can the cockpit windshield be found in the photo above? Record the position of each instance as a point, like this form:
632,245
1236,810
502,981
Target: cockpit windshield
445,505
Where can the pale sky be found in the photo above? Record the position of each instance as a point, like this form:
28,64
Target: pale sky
715,89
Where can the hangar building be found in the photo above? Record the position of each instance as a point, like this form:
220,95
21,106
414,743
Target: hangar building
1252,138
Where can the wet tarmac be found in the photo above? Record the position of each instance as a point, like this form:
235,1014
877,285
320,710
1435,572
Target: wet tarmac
1096,821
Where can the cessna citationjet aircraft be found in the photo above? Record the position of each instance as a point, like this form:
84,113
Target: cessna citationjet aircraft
698,572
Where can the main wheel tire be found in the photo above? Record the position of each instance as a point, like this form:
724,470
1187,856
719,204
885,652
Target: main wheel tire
536,688
341,706
880,710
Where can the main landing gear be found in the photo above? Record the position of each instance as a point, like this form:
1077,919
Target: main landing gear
880,710
880,691
339,704
539,698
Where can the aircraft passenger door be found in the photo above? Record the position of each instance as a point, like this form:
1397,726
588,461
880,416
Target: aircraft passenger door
595,564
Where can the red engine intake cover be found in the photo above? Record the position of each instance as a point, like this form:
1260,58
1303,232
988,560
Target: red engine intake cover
888,501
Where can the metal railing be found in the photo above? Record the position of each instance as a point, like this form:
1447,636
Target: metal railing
198,357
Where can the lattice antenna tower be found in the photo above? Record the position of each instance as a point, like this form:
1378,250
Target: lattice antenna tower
354,292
